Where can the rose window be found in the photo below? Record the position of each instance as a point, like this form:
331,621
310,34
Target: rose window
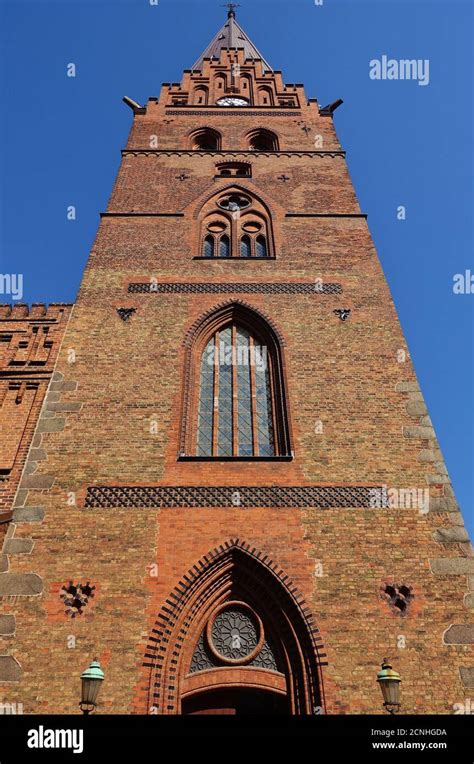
234,635
234,202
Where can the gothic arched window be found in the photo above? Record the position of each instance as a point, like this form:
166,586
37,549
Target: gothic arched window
254,241
261,247
208,250
224,246
245,247
216,242
263,140
235,224
235,401
205,139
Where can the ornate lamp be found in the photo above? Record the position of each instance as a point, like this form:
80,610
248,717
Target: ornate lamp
91,678
389,681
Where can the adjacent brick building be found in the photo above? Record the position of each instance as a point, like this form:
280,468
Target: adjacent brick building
30,339
232,492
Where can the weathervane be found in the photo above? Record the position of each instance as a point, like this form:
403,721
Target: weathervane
231,7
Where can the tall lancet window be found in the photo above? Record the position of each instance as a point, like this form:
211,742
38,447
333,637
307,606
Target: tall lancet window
235,413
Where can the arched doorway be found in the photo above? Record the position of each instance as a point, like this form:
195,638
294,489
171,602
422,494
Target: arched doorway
235,637
235,701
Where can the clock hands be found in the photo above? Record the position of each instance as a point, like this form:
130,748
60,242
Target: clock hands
229,101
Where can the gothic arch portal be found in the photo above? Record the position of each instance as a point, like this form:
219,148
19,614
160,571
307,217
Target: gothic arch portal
281,671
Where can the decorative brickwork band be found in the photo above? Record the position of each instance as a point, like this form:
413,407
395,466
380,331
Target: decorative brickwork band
323,497
227,113
231,154
234,288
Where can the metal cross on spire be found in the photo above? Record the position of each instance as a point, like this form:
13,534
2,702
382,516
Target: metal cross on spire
231,7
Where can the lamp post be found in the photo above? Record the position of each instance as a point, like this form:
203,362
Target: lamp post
91,678
389,681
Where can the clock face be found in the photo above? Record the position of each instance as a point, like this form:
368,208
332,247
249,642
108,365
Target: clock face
228,101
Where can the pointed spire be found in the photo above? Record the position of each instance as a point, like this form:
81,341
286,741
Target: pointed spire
231,36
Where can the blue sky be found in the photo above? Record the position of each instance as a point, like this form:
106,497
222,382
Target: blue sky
406,145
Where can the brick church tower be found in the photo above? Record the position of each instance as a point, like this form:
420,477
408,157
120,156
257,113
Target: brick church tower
222,476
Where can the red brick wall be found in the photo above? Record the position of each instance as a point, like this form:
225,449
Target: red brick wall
347,376
28,354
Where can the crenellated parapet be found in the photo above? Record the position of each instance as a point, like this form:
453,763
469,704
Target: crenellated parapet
36,311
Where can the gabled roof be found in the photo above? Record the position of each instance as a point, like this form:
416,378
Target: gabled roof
231,36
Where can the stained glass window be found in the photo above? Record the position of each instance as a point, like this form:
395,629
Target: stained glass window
235,412
224,246
209,246
224,395
244,394
261,246
245,248
206,401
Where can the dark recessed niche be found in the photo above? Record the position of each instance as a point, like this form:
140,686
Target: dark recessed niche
76,597
126,313
233,170
399,596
